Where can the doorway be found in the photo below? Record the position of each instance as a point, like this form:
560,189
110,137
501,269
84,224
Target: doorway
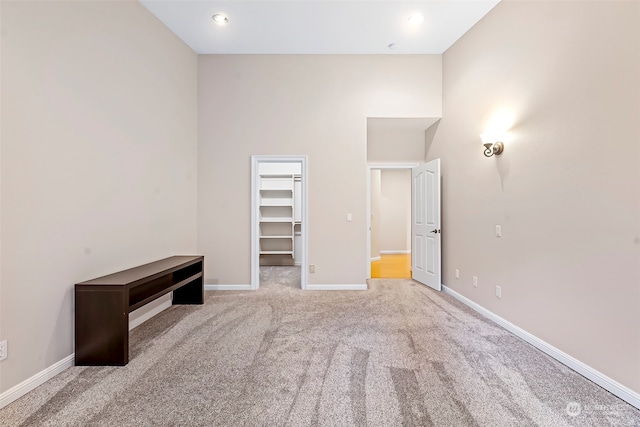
389,213
390,223
279,221
424,213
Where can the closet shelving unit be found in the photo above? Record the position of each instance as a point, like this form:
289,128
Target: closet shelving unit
277,222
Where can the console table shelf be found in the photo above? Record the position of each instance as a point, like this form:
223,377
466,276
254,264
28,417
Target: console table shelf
102,305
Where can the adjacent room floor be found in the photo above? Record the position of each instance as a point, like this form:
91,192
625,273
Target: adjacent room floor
392,266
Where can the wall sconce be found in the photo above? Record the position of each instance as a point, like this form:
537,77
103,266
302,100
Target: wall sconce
491,144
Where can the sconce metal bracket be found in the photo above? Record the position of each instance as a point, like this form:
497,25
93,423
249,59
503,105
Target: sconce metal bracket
495,148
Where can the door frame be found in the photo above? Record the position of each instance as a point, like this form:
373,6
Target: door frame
255,225
370,167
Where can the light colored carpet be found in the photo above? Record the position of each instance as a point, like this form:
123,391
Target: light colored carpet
396,354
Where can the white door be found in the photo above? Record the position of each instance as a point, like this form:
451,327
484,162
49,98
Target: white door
425,224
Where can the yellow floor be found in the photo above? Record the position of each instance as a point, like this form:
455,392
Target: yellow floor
392,266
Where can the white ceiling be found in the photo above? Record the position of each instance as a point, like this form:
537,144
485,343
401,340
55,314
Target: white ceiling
319,26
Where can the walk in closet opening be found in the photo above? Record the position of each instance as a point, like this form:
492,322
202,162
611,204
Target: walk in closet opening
279,221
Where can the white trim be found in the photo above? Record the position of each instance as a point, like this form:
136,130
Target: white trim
227,287
354,287
38,379
395,252
255,227
370,167
588,372
374,258
148,315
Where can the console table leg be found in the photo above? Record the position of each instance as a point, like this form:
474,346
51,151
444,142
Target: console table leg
191,293
102,327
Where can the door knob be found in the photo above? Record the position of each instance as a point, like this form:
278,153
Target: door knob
435,231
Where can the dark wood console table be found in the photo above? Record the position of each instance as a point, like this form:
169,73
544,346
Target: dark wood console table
103,304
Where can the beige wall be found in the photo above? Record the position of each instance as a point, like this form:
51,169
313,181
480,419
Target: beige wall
399,140
308,105
375,212
563,77
99,162
395,210
1,329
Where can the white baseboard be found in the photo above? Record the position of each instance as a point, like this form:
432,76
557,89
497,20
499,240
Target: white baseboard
38,379
395,252
227,287
148,315
353,287
375,258
586,371
309,287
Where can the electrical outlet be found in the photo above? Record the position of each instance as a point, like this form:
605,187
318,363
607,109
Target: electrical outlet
312,268
457,273
475,281
3,350
498,231
498,291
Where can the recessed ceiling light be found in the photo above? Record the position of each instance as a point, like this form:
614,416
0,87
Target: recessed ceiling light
219,18
416,18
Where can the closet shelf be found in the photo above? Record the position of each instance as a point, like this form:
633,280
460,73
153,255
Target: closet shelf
275,202
274,219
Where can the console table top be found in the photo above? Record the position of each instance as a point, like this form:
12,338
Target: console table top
132,275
